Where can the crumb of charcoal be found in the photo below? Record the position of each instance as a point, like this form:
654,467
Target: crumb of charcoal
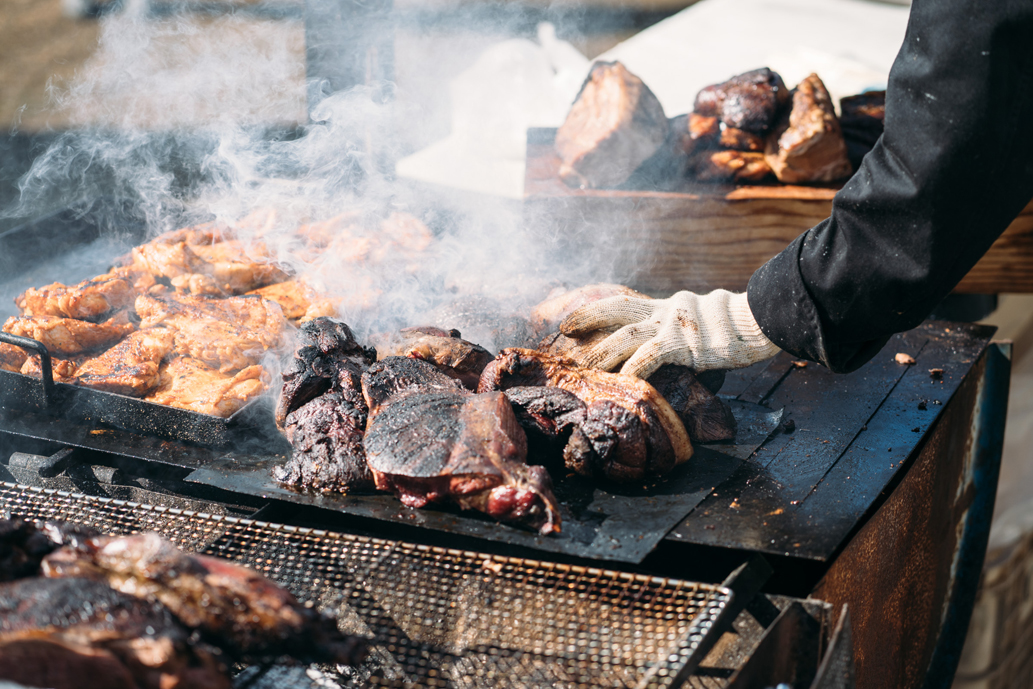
788,426
904,359
922,406
916,429
936,373
800,364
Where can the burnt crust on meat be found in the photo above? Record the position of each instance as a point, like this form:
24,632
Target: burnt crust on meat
751,101
706,416
808,144
446,349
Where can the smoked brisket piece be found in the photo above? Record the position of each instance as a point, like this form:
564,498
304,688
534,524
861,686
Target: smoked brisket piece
808,145
548,416
667,441
611,443
77,633
751,101
431,441
705,415
614,125
452,355
232,607
322,413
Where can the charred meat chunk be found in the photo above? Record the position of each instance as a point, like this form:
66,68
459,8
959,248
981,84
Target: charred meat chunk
706,417
233,607
808,145
667,441
751,101
614,125
22,547
547,415
79,633
452,355
431,441
611,443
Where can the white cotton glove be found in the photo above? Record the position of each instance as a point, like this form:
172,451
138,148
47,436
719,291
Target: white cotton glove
703,332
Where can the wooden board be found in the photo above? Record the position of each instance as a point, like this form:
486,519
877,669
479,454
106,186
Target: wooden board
706,236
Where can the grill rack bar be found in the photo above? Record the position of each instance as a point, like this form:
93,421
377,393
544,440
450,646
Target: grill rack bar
441,617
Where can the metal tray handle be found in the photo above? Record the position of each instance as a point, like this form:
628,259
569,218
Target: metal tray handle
44,360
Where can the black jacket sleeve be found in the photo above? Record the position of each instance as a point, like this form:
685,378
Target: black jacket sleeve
953,168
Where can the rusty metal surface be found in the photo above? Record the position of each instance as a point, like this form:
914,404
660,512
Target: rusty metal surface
899,572
837,667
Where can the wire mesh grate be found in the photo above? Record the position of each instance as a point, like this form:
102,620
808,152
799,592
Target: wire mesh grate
437,617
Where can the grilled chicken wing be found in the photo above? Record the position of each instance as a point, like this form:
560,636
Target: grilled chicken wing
68,335
131,367
190,384
11,358
63,370
89,300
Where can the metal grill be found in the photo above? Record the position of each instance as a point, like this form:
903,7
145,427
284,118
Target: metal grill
439,617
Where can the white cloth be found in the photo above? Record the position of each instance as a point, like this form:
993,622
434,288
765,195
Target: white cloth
703,332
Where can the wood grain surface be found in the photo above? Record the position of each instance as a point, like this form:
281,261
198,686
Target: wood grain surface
707,236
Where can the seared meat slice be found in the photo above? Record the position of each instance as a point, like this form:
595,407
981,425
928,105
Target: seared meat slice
68,335
610,443
326,436
547,415
706,416
232,606
614,125
429,440
298,301
75,633
328,359
322,413
89,300
131,367
751,101
730,166
808,145
454,356
668,442
22,547
229,334
11,358
191,384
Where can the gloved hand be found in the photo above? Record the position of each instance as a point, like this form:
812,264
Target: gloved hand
703,332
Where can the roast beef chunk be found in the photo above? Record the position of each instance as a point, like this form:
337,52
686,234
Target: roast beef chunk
81,634
547,415
326,436
327,358
614,125
808,145
706,417
22,547
231,606
861,118
667,441
611,443
454,356
730,166
751,101
429,440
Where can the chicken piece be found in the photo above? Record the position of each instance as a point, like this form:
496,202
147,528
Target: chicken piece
169,260
667,438
298,301
80,634
89,300
132,367
237,268
454,356
190,384
751,101
429,440
62,370
68,335
229,334
195,235
12,358
614,125
731,166
808,145
232,606
141,279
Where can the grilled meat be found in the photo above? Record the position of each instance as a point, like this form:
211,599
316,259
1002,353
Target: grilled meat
167,259
740,139
706,417
235,268
808,145
75,633
548,416
63,370
12,358
751,101
322,413
90,300
667,440
232,606
454,356
132,367
429,440
611,443
730,166
67,335
191,384
614,125
22,548
229,334
298,301
486,321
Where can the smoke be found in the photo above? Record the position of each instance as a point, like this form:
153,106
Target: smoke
195,118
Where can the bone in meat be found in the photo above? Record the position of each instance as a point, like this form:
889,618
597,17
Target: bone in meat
808,145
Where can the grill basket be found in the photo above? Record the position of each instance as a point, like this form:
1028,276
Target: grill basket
439,617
